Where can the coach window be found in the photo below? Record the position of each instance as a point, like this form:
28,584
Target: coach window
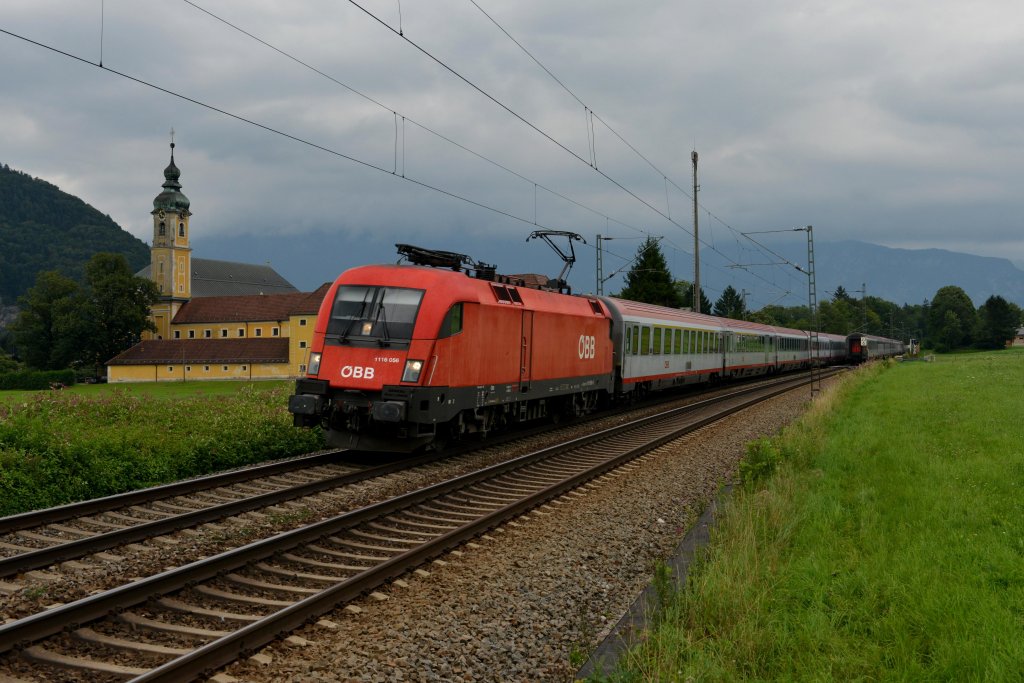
645,340
452,323
677,342
636,339
657,340
628,341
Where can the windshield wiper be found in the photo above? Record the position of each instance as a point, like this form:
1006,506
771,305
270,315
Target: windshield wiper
382,315
362,309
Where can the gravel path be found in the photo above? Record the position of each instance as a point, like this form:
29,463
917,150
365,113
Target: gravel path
522,604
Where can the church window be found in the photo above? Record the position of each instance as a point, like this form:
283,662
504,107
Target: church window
206,368
259,331
241,331
302,367
188,368
302,322
177,334
207,333
223,332
163,228
244,368
191,334
181,229
181,288
275,332
161,266
224,368
302,344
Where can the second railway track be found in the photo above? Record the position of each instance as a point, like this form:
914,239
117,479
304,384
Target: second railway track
174,625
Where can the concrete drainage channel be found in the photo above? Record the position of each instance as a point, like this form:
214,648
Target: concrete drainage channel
626,632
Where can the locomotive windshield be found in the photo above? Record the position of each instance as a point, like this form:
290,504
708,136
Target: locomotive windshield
373,312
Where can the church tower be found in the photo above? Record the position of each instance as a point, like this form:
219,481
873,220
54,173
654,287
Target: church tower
170,255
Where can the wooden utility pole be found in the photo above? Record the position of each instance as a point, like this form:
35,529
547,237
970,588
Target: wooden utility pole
696,239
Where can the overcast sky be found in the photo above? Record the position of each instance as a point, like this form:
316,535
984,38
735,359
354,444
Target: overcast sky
897,123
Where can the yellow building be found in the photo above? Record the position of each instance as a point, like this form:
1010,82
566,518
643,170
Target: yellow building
214,319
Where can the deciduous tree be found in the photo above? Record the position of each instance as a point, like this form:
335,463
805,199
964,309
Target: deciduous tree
42,330
950,334
114,309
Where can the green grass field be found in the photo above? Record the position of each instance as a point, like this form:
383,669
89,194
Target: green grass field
157,390
96,440
887,546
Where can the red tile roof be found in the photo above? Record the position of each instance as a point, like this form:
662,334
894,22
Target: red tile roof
251,308
177,351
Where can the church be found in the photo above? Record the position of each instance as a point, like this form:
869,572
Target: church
214,319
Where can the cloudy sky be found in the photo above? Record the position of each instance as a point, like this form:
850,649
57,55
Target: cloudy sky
897,123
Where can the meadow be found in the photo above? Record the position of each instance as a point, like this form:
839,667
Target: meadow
89,441
880,538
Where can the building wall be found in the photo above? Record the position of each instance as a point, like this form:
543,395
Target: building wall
234,330
197,372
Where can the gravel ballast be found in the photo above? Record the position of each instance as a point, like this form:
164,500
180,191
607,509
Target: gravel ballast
531,601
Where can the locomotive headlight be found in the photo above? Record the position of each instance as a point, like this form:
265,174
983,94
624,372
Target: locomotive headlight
314,364
412,371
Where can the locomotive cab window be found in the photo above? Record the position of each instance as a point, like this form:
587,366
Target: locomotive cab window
374,312
452,323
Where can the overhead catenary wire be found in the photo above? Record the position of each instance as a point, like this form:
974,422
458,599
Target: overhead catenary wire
270,129
591,115
396,165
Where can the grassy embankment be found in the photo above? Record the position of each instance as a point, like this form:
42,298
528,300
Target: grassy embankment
96,440
888,544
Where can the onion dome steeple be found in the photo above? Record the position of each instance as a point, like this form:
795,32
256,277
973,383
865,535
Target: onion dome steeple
171,199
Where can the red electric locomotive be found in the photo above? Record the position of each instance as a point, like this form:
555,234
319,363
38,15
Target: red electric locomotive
407,355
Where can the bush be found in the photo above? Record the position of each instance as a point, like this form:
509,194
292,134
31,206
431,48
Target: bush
32,380
763,456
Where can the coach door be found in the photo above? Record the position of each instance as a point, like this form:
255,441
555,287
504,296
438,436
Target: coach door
526,353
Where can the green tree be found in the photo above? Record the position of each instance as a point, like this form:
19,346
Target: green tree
41,331
649,279
685,289
950,334
114,309
951,299
730,304
841,295
997,323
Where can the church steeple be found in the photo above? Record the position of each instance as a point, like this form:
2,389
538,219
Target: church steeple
171,255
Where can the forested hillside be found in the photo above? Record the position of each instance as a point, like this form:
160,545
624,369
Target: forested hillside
42,228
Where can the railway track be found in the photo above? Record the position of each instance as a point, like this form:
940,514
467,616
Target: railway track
43,538
187,622
38,539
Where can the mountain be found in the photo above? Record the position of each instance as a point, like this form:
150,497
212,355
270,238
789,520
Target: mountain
913,275
42,228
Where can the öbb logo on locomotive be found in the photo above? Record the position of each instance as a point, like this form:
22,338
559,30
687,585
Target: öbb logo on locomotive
406,356
356,372
587,347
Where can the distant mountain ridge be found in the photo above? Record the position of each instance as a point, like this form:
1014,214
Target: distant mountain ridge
43,228
913,275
